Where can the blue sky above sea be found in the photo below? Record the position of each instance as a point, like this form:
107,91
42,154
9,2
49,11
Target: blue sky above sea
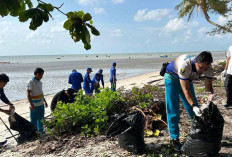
126,26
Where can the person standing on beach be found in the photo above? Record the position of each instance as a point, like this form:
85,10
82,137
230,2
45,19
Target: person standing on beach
36,99
87,82
96,81
228,74
178,83
75,78
113,76
65,96
4,79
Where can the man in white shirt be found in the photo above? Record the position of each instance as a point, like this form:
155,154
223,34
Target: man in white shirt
228,74
178,83
36,99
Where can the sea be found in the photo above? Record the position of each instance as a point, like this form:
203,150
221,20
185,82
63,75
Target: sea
58,67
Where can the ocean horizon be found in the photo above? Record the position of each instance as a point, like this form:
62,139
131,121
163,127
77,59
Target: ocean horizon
58,67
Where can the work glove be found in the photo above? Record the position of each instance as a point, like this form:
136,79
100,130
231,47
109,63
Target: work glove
224,72
223,75
197,111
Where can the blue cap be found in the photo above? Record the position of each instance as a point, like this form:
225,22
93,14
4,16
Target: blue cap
89,69
114,64
100,71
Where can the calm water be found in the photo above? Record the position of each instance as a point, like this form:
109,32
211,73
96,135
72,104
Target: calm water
58,67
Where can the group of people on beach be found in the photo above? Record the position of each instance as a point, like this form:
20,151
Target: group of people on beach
178,84
36,97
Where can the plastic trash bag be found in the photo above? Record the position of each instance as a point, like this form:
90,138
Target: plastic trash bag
27,131
205,135
130,131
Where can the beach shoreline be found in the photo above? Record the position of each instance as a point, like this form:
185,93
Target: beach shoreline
22,106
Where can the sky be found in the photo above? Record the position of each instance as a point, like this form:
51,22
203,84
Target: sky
126,26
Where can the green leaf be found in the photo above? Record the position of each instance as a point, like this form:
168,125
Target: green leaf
67,24
87,17
94,31
73,16
91,22
86,34
29,3
80,13
4,11
45,17
46,7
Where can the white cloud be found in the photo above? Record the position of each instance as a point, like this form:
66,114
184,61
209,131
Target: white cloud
32,35
99,10
222,20
117,33
57,29
176,25
117,1
86,2
39,38
201,32
155,15
148,41
1,41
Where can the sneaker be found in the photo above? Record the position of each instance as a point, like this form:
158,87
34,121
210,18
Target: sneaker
3,142
227,105
176,145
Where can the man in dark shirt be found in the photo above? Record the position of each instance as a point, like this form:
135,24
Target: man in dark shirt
66,96
75,78
96,81
4,79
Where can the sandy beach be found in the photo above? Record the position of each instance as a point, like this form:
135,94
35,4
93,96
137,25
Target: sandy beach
110,147
22,106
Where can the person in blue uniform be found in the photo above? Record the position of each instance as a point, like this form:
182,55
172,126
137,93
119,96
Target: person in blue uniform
87,82
113,76
178,83
4,79
96,81
75,78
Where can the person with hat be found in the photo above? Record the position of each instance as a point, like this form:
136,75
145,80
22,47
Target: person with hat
113,76
75,78
88,81
65,96
96,79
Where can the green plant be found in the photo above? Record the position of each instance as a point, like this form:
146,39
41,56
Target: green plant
87,114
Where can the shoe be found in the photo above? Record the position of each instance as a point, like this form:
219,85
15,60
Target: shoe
3,142
176,145
227,105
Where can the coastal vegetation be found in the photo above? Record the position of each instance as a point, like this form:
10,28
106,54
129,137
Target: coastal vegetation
77,22
92,116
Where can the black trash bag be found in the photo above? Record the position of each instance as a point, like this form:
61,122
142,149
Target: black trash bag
130,131
205,135
27,131
163,68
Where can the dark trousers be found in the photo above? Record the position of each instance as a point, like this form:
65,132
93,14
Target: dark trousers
228,86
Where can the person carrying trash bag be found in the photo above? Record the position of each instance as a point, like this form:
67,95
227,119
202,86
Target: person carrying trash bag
178,84
130,131
205,135
4,79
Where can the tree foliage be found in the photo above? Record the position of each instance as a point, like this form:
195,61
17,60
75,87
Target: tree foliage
78,23
206,7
